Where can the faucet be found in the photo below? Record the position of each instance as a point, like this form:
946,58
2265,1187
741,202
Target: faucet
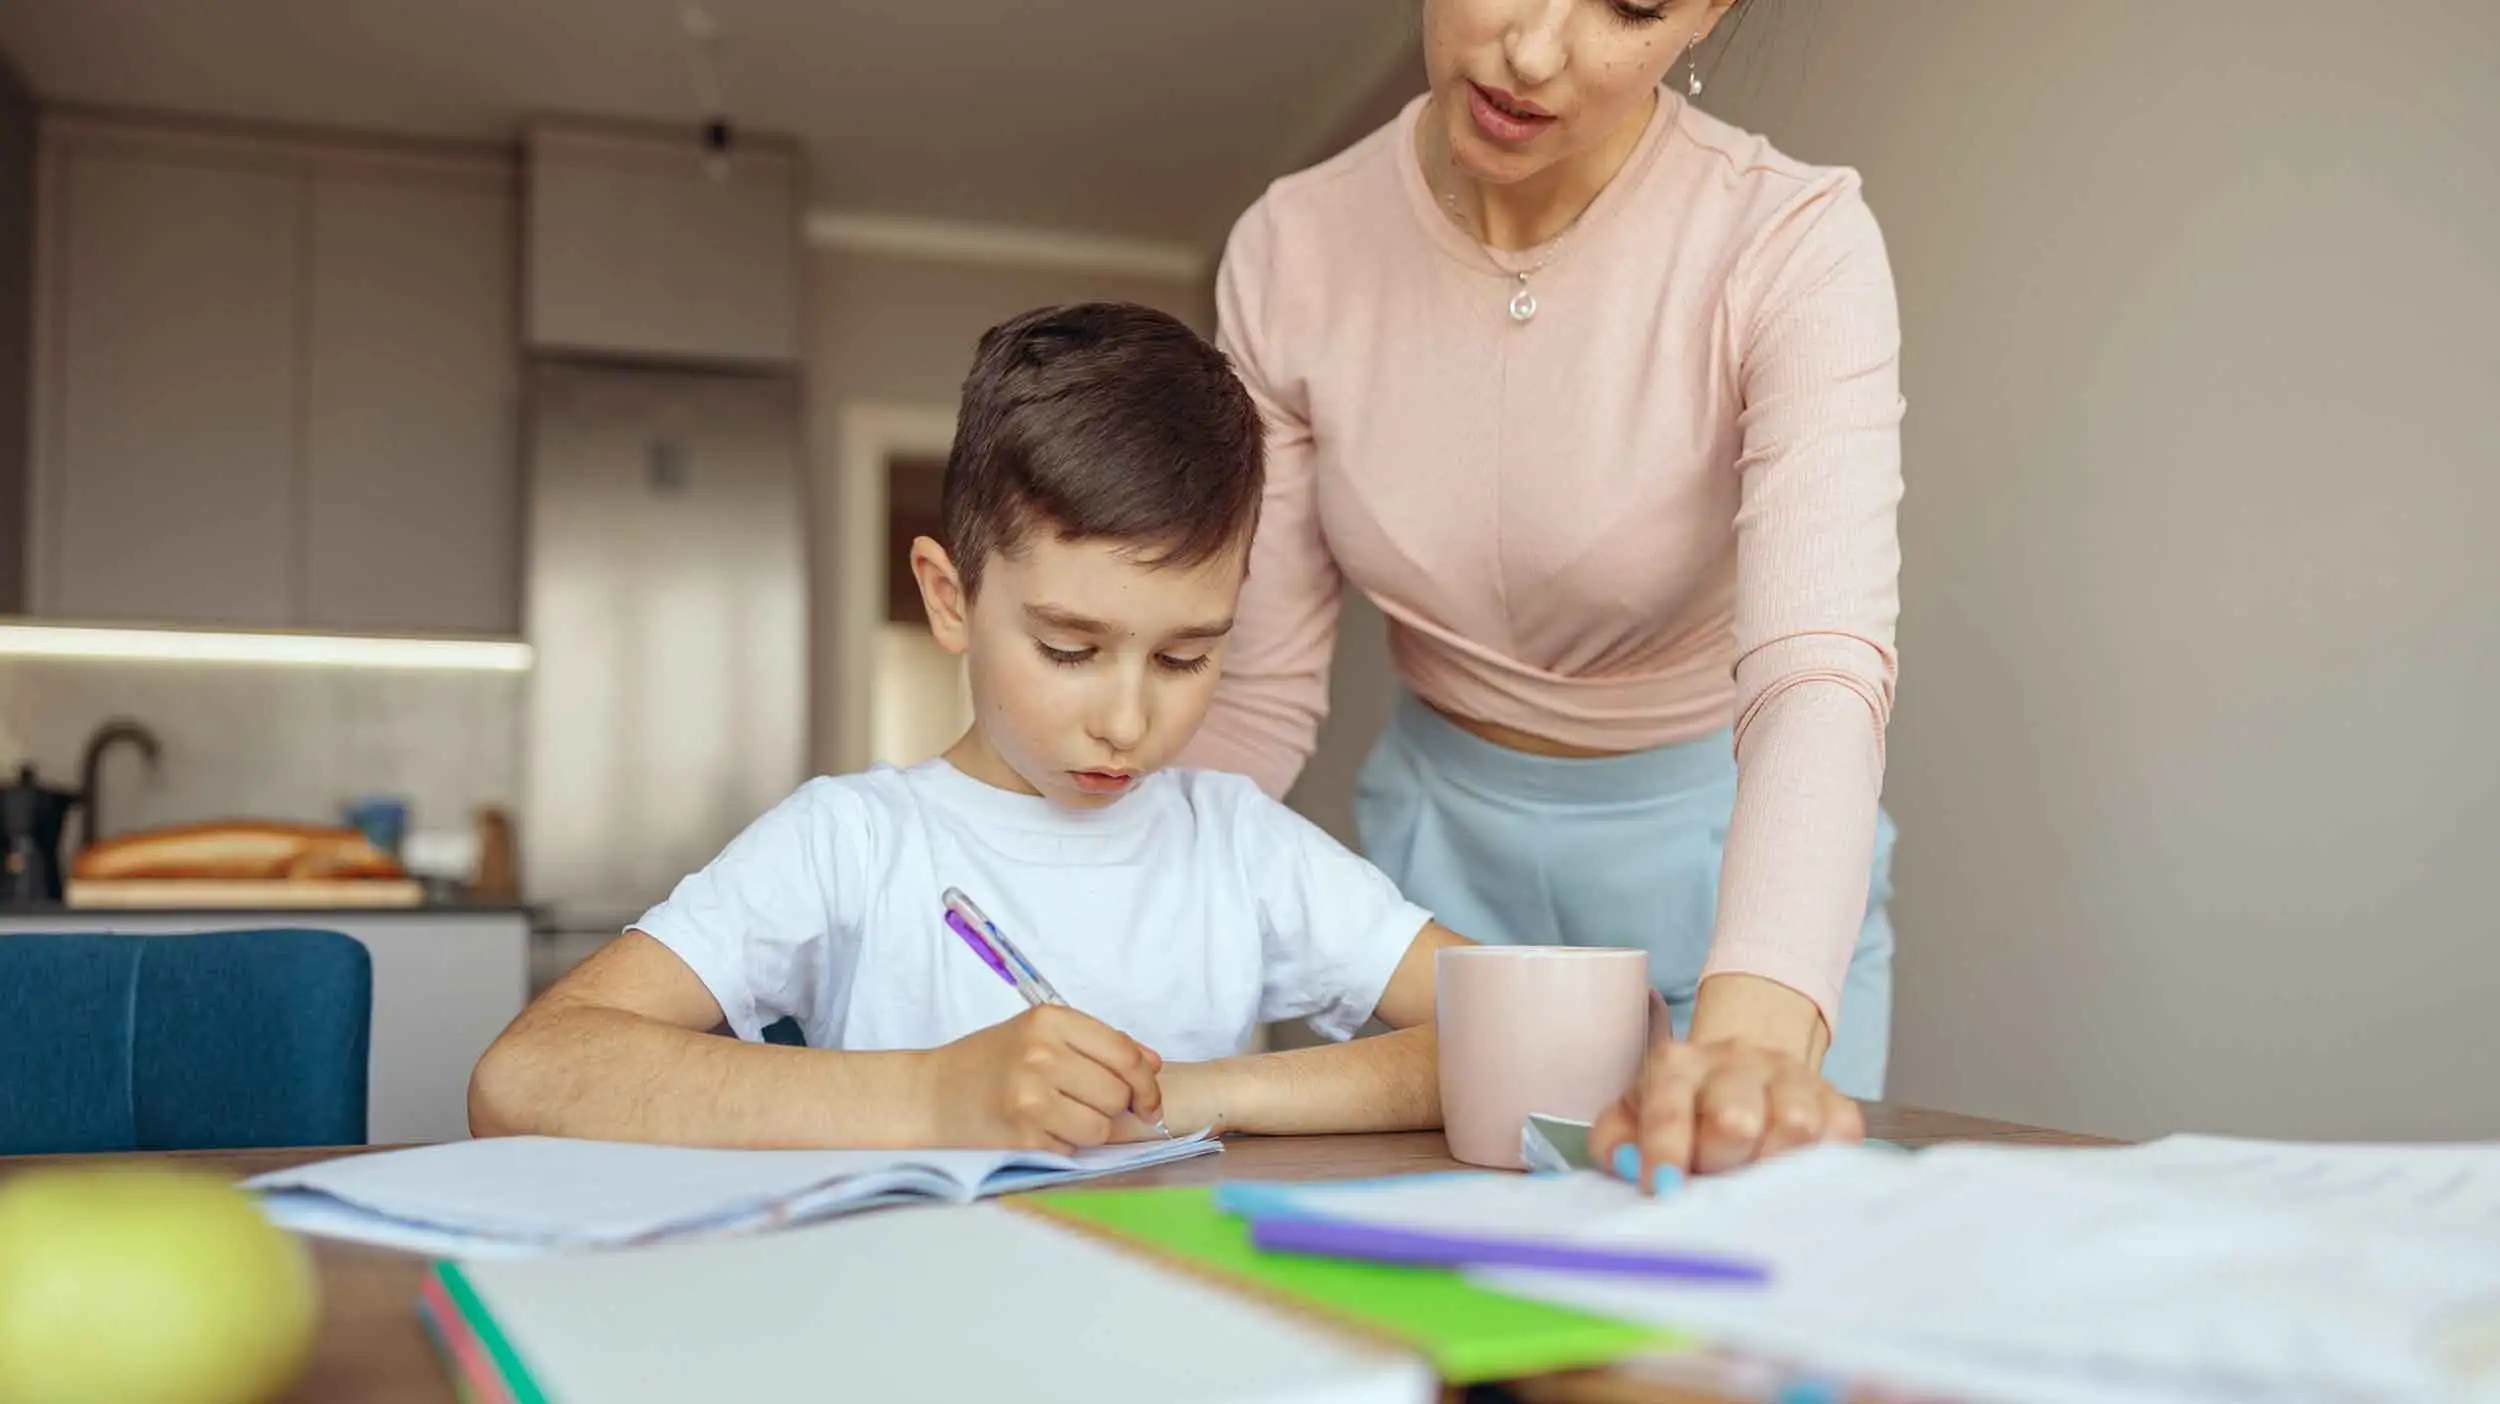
118,729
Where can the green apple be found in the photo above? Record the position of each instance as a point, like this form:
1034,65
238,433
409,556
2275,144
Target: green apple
146,1285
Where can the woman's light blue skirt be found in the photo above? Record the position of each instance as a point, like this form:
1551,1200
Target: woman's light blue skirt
1505,847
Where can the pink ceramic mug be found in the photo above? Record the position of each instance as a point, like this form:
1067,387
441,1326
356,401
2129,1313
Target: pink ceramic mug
1554,1030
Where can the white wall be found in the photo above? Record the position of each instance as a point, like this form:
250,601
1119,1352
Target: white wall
2196,759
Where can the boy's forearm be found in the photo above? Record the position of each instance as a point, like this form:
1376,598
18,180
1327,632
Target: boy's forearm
1391,1082
605,1074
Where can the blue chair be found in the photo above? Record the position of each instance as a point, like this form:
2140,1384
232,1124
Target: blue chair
224,1040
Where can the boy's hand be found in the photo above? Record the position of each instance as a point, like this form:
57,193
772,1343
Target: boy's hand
1192,1101
1048,1079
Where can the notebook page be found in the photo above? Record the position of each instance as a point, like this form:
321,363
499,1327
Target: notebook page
983,1174
567,1190
552,1191
319,1216
1023,1172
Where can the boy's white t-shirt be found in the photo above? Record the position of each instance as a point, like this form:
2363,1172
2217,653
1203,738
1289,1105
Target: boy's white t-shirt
1185,915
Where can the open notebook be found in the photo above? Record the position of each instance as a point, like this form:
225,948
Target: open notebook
514,1195
942,1304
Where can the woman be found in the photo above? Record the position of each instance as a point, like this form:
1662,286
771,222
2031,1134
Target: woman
1596,396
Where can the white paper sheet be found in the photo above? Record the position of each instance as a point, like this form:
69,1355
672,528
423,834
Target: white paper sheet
2188,1270
2433,1188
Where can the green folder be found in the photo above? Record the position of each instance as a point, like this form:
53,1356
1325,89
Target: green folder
1469,1334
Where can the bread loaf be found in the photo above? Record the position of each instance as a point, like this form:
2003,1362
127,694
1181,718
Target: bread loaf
235,849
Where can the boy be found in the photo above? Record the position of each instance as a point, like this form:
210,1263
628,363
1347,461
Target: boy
1098,510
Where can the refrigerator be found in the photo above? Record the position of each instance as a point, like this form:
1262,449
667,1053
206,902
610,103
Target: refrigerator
666,600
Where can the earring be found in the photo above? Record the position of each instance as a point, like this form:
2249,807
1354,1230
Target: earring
1692,64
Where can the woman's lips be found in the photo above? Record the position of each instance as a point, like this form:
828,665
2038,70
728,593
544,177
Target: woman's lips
1503,119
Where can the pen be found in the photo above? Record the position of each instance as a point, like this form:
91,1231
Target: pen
1001,955
982,948
1382,1243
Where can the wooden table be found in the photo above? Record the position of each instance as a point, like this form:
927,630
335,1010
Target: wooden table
372,1351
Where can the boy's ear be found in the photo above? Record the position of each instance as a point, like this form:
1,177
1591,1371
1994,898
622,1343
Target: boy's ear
941,594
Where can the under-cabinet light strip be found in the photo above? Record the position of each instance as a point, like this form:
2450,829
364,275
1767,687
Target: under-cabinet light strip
318,650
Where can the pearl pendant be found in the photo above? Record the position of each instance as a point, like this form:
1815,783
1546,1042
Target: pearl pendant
1522,302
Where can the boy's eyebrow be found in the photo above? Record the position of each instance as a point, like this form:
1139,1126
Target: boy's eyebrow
1053,617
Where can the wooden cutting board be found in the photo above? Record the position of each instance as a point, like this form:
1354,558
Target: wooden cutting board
135,893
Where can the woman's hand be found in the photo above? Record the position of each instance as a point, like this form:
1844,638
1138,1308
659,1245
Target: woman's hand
1742,1088
1697,1108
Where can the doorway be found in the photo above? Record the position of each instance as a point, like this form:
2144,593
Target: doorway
901,698
922,703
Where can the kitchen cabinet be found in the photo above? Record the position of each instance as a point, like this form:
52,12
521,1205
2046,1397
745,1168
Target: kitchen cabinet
445,983
277,382
412,494
172,461
638,252
17,273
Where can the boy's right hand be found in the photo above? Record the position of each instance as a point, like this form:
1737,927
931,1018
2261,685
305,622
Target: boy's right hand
1048,1079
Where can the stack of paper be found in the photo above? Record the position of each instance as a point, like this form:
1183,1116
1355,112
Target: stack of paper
514,1195
2192,1269
942,1305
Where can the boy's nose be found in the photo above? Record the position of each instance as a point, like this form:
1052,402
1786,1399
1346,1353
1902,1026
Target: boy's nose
1120,722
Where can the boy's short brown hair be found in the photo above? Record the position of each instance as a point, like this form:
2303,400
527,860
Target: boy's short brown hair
1101,420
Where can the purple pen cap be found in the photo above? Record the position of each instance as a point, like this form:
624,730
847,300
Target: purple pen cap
980,946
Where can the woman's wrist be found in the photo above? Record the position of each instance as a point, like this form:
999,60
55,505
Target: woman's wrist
1750,1009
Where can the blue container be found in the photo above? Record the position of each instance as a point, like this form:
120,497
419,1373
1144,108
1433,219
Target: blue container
382,820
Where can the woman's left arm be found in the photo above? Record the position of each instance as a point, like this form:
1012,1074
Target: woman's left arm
1815,324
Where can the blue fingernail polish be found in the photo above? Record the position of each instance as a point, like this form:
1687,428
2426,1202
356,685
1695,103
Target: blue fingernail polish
1665,1180
1628,1163
1810,1392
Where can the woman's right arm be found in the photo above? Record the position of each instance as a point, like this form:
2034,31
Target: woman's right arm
1274,690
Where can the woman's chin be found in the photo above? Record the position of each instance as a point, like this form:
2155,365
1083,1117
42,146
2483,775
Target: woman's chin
1484,163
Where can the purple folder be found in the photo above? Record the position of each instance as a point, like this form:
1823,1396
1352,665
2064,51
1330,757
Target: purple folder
1339,1238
